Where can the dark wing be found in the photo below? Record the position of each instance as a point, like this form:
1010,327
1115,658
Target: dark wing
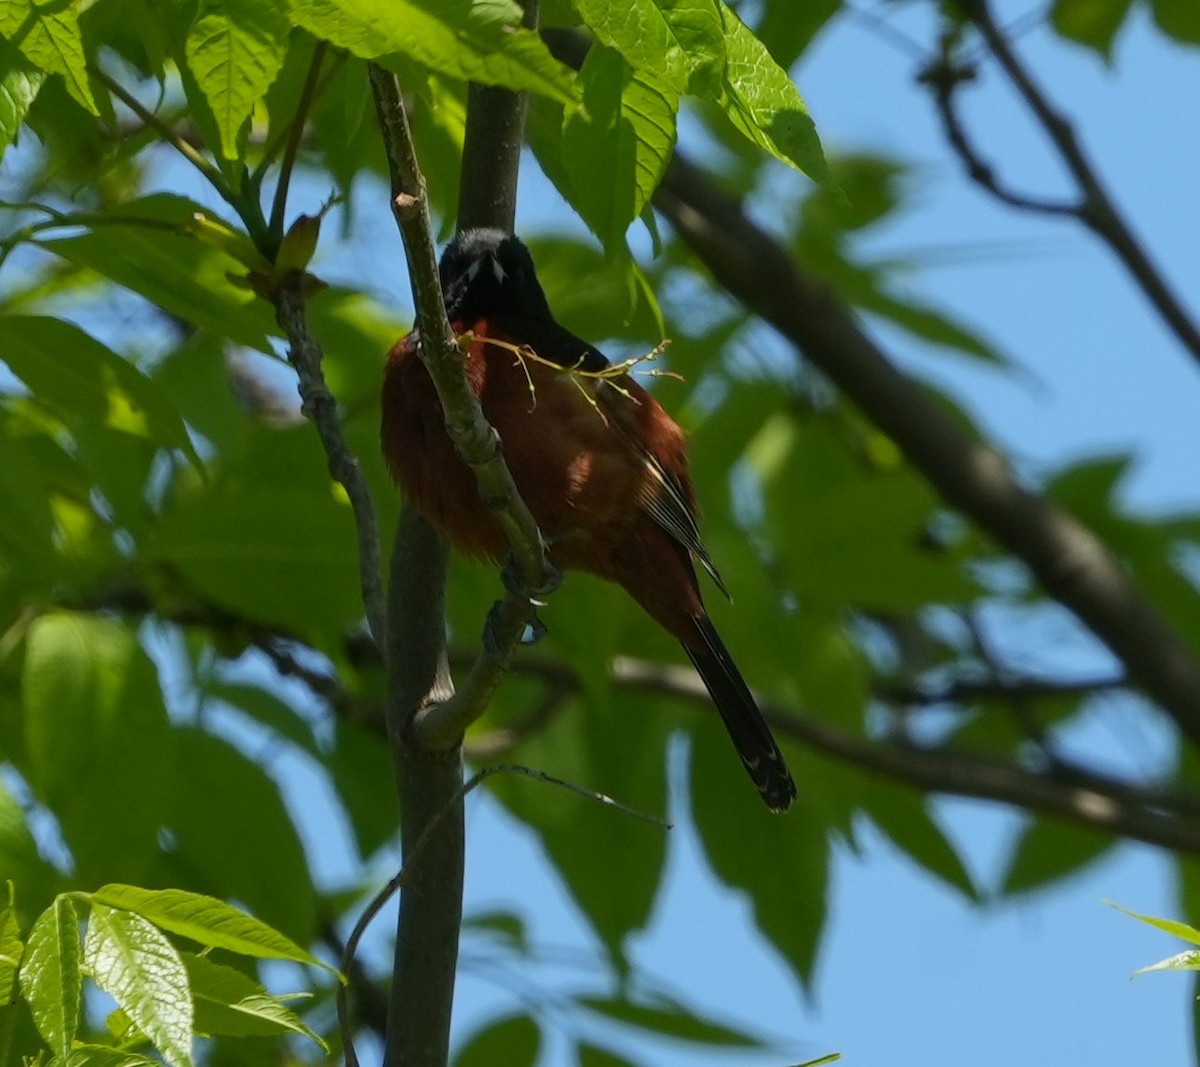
661,497
663,500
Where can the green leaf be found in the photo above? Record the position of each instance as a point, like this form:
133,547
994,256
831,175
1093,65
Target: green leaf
19,86
614,744
98,741
83,1055
50,979
788,28
905,818
269,710
1183,961
79,376
514,1041
762,103
595,1056
227,1002
1167,926
361,768
233,834
235,49
475,40
617,150
282,556
841,554
205,919
1093,23
19,857
1047,851
504,926
140,969
1178,18
675,43
780,861
173,270
669,1018
11,950
48,35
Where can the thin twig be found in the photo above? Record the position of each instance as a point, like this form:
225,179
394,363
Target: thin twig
1098,210
944,77
417,851
319,406
210,172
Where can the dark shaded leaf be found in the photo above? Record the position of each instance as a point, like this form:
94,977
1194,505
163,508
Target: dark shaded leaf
233,832
1048,851
1090,22
671,1019
780,861
275,555
514,1041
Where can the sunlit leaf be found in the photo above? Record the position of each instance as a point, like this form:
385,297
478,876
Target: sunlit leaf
235,49
48,35
204,919
473,41
50,978
617,150
70,369
1167,926
140,969
763,104
227,1002
11,951
19,86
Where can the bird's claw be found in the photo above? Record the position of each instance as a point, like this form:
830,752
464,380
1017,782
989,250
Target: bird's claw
535,630
514,581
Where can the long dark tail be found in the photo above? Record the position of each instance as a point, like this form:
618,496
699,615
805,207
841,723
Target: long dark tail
751,735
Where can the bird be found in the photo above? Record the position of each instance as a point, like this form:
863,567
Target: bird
600,464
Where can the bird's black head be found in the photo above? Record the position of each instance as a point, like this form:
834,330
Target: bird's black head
487,272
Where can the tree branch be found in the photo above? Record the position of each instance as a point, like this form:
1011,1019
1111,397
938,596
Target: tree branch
319,405
1097,210
1150,813
944,78
1071,563
425,722
441,725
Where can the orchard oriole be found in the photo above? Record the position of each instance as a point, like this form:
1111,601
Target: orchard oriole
604,474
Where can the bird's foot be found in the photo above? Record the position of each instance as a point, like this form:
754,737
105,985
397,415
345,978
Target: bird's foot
535,630
514,581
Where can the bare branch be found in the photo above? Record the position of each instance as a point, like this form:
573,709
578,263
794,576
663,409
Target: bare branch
1072,564
1097,209
944,78
319,405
